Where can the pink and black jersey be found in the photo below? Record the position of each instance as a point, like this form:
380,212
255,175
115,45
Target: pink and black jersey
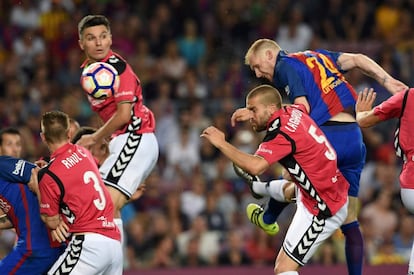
72,186
401,105
294,140
130,90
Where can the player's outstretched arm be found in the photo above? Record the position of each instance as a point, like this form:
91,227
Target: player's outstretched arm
349,61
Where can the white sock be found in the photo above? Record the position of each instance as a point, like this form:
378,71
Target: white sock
273,189
289,273
411,262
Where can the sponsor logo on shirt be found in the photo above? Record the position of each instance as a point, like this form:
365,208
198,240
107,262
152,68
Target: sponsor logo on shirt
19,167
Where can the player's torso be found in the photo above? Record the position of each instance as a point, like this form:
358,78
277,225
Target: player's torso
130,90
22,208
406,133
87,204
313,162
326,89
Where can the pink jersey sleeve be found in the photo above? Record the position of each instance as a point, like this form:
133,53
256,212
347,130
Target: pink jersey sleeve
391,108
274,150
50,195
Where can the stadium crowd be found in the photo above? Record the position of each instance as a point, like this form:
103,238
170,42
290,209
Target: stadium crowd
188,55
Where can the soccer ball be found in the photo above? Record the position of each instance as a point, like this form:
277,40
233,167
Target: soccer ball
100,80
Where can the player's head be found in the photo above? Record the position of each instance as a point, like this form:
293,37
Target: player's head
10,142
100,150
73,127
95,37
263,101
261,57
55,128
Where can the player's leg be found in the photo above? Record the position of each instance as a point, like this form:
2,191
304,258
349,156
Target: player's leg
281,193
351,160
304,236
407,198
89,254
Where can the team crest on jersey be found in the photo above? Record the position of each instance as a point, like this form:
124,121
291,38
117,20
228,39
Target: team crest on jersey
275,125
113,59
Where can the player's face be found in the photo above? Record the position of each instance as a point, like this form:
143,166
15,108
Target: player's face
262,64
11,146
260,114
96,42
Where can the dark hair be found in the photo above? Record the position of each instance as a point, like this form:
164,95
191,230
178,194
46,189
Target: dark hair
8,130
91,21
85,130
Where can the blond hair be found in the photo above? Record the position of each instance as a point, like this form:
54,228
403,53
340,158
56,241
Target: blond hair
258,45
55,126
268,95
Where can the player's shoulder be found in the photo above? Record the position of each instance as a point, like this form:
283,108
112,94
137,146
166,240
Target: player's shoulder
117,62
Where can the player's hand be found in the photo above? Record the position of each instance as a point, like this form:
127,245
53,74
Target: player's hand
365,100
214,135
41,163
241,115
61,233
86,141
33,183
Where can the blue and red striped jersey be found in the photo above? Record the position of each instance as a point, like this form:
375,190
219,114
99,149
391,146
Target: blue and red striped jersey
315,75
21,205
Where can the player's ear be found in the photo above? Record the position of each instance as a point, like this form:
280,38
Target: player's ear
42,136
269,54
80,44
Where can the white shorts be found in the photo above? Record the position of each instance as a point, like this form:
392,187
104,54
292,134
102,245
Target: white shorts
90,254
131,159
307,232
407,198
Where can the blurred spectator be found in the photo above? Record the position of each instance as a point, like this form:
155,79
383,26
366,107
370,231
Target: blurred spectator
213,215
208,241
193,200
380,213
234,253
295,35
191,44
404,237
24,15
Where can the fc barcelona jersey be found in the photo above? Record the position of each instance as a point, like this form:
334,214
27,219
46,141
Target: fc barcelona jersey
315,75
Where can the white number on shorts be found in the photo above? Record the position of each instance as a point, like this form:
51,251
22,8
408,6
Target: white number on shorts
91,176
330,152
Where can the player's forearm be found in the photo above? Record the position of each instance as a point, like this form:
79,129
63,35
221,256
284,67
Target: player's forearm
250,163
116,122
349,61
367,119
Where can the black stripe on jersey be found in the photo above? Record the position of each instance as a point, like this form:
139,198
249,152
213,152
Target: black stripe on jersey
307,240
124,158
63,207
289,163
118,63
399,151
72,256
